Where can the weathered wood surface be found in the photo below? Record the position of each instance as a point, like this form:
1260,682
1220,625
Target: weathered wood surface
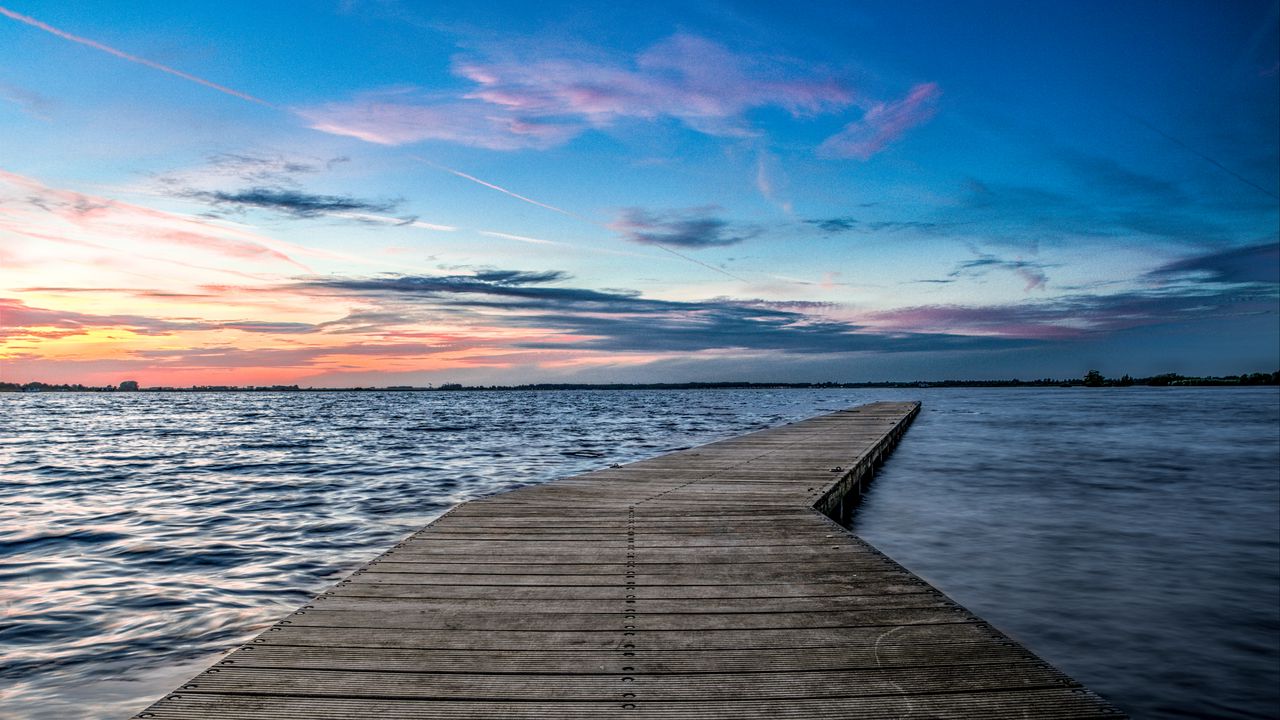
700,584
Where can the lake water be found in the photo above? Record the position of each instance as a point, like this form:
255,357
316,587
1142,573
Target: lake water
1130,536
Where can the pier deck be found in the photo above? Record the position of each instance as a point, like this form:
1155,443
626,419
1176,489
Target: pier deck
700,584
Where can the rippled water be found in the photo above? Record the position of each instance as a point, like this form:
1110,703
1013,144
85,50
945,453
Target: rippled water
1129,536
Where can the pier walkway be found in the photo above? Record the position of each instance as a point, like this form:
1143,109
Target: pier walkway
700,584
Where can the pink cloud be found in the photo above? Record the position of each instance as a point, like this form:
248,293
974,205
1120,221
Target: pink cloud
1035,279
230,247
684,76
18,317
883,124
46,213
522,102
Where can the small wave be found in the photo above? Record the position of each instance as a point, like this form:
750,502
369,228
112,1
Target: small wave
46,540
291,445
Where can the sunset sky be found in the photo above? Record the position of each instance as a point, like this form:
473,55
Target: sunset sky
402,193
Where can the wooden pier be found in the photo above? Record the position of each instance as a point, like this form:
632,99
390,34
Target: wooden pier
707,583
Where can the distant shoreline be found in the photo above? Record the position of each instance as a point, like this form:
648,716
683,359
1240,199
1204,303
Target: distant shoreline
1091,380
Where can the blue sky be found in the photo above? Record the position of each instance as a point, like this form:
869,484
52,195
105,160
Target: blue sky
404,193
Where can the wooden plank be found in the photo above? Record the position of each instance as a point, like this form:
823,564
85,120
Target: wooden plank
1052,704
672,640
398,616
654,687
963,650
697,584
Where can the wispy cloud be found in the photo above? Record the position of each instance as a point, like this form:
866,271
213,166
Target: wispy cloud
31,102
409,221
23,320
520,101
687,228
771,181
687,77
302,357
126,56
1030,271
252,168
883,124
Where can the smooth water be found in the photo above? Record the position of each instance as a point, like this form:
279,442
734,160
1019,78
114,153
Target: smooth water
1131,536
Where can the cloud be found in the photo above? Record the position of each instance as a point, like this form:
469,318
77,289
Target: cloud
22,320
276,187
848,223
1079,315
617,321
520,100
1030,271
254,168
1252,264
684,76
771,181
407,221
840,224
687,228
289,201
300,357
883,124
270,327
31,102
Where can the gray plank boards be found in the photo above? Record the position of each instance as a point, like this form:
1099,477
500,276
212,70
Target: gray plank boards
698,584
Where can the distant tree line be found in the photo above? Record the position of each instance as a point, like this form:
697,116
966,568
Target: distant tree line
1092,378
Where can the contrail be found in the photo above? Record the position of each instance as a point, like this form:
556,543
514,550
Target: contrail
520,238
131,58
696,261
1202,156
499,188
